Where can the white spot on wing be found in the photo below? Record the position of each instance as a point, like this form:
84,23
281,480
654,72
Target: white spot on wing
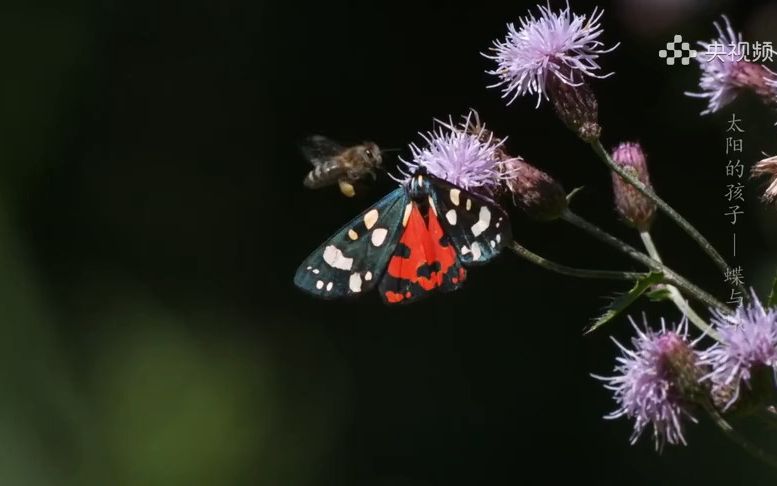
484,219
455,193
431,205
451,216
309,267
315,271
379,236
368,276
371,218
493,244
469,204
319,285
329,286
355,282
476,253
406,216
464,250
335,258
498,238
352,234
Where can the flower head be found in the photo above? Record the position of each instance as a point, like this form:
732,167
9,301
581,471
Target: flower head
534,191
767,167
748,340
725,74
632,206
460,154
655,383
555,45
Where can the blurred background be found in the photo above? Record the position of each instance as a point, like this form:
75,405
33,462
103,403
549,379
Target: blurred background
152,216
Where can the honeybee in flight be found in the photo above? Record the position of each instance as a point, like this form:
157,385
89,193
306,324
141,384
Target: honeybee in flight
335,164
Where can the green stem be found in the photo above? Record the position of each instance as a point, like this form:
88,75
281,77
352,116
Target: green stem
670,275
738,439
572,271
666,208
675,294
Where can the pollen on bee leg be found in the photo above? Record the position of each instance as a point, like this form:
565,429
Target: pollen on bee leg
346,188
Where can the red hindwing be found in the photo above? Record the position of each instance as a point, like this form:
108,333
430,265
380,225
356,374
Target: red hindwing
423,261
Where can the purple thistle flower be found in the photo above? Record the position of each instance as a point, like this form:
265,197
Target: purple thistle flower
563,45
748,339
767,167
725,75
467,155
653,382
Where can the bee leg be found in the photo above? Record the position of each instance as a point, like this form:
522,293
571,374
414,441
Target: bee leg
346,188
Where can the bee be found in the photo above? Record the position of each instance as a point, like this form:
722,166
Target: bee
335,164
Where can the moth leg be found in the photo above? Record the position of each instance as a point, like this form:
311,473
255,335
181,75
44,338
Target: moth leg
346,188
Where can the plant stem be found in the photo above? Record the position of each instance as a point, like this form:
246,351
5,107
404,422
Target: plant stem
740,440
572,271
666,208
670,275
674,294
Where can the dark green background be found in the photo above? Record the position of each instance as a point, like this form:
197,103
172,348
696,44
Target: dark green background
152,216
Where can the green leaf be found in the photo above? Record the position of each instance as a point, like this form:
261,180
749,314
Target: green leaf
773,295
623,301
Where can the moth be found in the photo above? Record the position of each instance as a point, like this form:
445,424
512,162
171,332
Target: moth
336,164
418,239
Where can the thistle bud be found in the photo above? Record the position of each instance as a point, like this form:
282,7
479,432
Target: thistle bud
533,190
576,106
632,206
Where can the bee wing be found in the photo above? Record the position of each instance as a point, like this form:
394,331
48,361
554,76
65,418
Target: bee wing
318,148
